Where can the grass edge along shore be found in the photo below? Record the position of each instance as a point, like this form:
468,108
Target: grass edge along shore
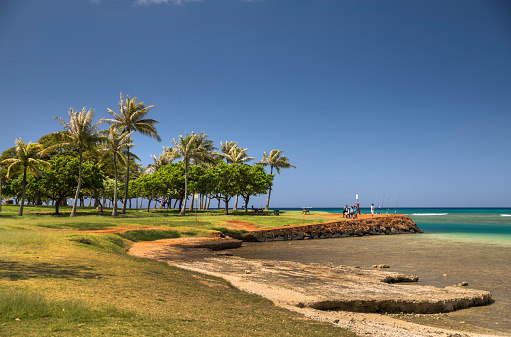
72,276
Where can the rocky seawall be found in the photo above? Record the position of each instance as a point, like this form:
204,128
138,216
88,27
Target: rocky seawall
378,225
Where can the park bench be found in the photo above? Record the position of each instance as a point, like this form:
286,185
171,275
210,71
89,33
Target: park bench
305,211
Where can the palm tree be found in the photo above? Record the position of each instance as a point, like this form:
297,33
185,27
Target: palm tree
274,159
115,144
131,118
80,132
192,147
207,159
166,157
27,156
227,146
235,155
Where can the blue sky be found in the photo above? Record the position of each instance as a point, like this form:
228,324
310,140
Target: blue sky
396,98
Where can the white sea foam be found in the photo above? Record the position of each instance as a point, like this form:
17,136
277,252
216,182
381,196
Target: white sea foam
430,213
505,215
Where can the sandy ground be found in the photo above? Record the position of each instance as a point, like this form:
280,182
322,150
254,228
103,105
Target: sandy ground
247,275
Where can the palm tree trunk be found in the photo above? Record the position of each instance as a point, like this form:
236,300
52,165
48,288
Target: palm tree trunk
235,208
183,209
114,211
123,211
24,193
269,192
73,212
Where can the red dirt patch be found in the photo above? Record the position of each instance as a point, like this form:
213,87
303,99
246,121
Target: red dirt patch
249,226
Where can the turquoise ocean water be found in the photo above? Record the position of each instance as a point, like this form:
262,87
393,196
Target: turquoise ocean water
488,225
458,245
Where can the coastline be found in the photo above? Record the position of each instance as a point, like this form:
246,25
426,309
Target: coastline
261,277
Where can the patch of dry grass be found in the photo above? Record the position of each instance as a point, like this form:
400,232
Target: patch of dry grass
70,282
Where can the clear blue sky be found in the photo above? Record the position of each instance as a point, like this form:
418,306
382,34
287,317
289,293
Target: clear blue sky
409,98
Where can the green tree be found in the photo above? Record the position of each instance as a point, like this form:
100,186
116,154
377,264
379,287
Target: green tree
115,144
132,118
275,160
32,187
61,178
9,153
55,145
172,175
253,180
81,133
228,180
27,158
150,187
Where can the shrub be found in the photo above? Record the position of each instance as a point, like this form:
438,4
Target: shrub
149,235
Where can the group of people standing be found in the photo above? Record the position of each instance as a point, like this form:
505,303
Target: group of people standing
351,212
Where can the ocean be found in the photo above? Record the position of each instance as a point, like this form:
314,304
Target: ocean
470,245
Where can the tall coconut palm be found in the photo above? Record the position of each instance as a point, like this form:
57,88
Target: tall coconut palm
227,146
81,133
207,159
166,157
26,158
234,155
115,145
237,155
277,161
132,118
194,147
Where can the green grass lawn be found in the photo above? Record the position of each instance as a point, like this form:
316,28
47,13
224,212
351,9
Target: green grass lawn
59,279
